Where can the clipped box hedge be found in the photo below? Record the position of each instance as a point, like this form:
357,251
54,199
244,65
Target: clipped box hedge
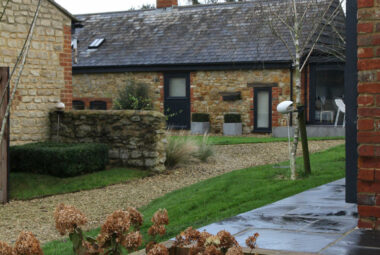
58,159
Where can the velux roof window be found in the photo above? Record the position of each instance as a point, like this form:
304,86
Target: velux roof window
96,43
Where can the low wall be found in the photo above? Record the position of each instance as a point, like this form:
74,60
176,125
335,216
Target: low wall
135,138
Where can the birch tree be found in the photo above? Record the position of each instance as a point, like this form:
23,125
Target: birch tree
306,28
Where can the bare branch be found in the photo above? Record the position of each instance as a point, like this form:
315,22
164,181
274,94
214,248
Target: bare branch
28,43
277,34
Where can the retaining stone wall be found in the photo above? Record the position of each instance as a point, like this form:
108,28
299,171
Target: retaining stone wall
46,78
135,138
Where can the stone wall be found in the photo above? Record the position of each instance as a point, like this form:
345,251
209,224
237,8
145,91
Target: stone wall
135,138
369,114
93,87
46,78
206,87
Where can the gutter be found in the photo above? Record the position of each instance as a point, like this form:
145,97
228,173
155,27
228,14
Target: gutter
181,67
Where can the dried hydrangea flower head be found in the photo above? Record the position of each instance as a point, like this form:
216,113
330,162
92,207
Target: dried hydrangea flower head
6,249
132,241
212,241
226,240
187,237
251,241
67,218
202,238
235,250
91,248
158,249
212,250
135,217
117,223
160,217
157,230
27,244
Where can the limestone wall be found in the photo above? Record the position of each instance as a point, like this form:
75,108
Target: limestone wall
46,78
206,87
135,138
92,87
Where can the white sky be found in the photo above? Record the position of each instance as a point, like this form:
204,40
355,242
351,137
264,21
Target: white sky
95,6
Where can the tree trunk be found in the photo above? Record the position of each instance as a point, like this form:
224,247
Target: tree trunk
293,151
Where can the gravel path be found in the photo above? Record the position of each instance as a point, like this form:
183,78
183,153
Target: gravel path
37,215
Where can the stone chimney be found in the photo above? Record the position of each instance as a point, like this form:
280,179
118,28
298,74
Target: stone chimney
166,3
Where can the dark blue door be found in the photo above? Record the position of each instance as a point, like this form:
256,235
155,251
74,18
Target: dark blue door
177,100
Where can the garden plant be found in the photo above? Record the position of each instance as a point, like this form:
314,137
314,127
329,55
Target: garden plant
121,231
134,96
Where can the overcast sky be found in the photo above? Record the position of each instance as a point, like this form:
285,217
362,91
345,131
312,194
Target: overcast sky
95,6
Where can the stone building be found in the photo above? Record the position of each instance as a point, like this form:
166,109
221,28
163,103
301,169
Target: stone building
46,78
218,58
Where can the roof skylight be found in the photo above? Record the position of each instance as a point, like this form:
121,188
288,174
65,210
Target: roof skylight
96,43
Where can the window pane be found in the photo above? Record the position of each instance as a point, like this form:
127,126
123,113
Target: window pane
177,87
263,109
329,86
98,105
78,105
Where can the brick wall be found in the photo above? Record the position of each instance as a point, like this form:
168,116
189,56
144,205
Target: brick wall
205,89
369,113
47,74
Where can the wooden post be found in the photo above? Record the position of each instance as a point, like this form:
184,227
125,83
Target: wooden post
4,158
305,146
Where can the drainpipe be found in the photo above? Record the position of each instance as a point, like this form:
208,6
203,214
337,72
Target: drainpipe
306,82
291,92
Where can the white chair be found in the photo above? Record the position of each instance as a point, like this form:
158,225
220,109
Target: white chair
325,114
341,108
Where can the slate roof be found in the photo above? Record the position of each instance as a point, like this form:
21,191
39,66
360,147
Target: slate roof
203,34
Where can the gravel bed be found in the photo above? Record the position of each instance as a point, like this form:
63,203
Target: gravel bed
37,215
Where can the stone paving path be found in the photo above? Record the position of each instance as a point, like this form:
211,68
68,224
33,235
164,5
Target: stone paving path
37,215
317,221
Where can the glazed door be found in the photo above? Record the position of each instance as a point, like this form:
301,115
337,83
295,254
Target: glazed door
177,100
263,110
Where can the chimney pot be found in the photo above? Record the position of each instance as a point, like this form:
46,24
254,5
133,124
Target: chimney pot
166,3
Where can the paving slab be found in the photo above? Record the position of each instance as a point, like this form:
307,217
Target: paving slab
317,221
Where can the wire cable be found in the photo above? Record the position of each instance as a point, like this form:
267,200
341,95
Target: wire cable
5,8
27,47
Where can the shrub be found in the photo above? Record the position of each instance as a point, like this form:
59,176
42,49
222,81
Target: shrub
134,96
232,118
205,150
179,150
59,159
200,117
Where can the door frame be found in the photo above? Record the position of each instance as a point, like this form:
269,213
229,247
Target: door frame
255,93
313,86
167,98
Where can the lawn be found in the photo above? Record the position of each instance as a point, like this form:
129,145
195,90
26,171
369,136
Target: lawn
232,193
27,186
226,140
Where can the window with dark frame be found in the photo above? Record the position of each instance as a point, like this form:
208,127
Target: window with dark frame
78,105
98,105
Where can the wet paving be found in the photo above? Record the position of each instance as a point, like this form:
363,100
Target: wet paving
315,221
